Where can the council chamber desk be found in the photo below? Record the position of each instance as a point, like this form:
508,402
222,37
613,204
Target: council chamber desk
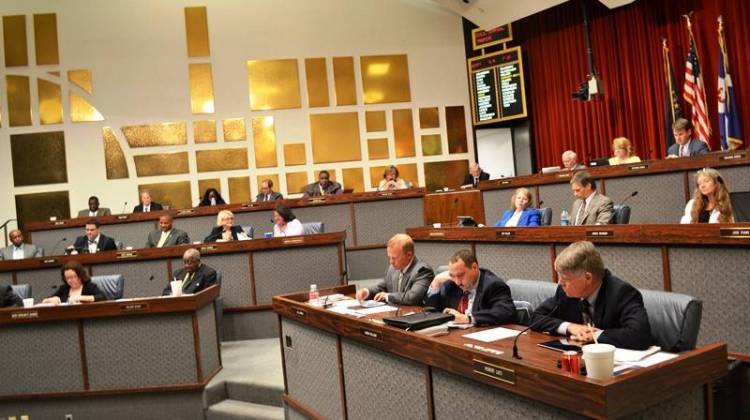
107,360
252,272
338,367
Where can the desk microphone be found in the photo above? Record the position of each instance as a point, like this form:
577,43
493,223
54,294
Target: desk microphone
124,205
539,206
633,194
532,324
61,240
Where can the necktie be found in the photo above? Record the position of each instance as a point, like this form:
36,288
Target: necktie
268,197
463,304
400,279
683,151
586,311
581,212
186,281
146,209
164,236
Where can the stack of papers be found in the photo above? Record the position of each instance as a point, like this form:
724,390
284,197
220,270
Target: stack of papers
642,358
493,334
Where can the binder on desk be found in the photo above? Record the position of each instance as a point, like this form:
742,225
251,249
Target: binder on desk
419,320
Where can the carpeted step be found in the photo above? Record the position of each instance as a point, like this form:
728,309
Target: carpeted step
240,410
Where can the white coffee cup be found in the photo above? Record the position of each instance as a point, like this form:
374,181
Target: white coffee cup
176,286
600,360
437,225
28,302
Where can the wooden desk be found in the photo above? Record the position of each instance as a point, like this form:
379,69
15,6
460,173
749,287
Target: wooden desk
338,366
251,274
445,207
706,261
59,360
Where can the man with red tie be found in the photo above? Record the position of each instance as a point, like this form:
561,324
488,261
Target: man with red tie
471,294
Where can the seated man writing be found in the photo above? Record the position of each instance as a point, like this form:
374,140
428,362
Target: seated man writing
591,302
471,294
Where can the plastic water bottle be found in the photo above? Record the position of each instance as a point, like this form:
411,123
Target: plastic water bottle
564,218
314,296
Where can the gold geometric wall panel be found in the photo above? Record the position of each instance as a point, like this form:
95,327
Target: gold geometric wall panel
40,207
82,79
354,178
455,123
234,129
385,78
343,76
201,88
445,174
296,182
294,154
50,102
19,100
335,137
159,134
431,145
176,195
377,148
264,141
317,82
204,131
161,164
375,121
82,111
205,184
274,84
239,189
273,177
403,133
114,158
429,118
45,39
196,29
221,159
331,174
38,158
406,171
14,39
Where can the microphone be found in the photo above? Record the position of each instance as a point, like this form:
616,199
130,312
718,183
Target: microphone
531,325
633,194
151,278
61,240
539,206
124,205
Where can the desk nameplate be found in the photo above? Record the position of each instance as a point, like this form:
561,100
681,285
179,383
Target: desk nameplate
371,334
24,315
734,156
135,307
501,234
741,232
496,372
638,168
127,254
600,234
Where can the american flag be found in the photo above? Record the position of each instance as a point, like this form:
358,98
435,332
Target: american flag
694,93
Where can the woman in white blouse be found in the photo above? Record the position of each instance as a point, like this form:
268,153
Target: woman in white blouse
286,223
391,181
710,202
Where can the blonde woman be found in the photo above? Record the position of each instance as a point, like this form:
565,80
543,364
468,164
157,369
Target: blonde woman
521,213
710,202
623,152
391,180
225,230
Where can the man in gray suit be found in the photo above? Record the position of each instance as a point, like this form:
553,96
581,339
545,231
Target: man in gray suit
590,207
94,210
406,279
267,193
19,250
685,145
166,235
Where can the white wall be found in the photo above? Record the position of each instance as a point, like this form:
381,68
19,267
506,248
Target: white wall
495,151
136,50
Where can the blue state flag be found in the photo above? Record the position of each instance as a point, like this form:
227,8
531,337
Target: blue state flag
730,129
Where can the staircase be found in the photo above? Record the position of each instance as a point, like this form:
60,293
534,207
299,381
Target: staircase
251,383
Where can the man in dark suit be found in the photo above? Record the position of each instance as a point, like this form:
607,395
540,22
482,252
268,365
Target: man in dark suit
591,302
94,210
94,241
685,145
324,186
471,294
475,175
18,250
166,235
146,204
8,297
195,276
590,207
406,278
267,193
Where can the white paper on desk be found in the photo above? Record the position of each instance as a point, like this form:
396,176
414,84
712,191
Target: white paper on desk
654,359
343,310
376,310
493,334
345,303
630,356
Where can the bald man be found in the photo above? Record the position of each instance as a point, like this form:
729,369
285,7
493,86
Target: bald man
166,235
195,275
475,175
18,250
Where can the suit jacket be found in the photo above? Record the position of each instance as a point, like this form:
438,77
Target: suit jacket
105,244
469,179
274,196
89,288
203,277
176,237
695,148
154,207
618,311
217,231
417,279
492,302
529,217
8,297
29,251
102,211
313,190
600,211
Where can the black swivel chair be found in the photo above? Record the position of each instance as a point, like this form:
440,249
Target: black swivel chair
22,290
112,285
546,213
312,228
622,215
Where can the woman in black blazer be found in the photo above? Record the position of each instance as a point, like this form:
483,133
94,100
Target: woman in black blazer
225,229
77,286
